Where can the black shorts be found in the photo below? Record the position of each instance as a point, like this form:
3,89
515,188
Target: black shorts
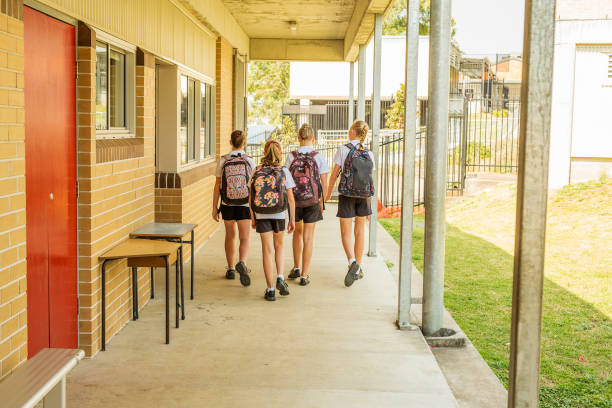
267,225
235,213
308,214
350,207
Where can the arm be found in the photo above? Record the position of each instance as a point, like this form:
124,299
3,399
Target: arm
291,200
215,203
324,188
332,180
251,207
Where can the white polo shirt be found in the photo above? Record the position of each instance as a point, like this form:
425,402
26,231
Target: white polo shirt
344,151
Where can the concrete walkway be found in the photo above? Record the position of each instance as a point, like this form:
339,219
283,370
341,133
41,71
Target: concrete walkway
323,346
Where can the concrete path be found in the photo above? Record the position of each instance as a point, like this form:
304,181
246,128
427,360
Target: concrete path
323,346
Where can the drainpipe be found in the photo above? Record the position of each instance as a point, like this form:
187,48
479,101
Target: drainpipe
361,72
531,197
410,117
435,171
375,127
351,98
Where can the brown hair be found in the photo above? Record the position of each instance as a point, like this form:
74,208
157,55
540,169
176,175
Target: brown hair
273,154
361,129
238,137
306,132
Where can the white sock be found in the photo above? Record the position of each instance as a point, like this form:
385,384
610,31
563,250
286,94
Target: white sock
281,277
269,289
297,269
351,261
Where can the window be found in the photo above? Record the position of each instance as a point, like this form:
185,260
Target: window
195,138
110,88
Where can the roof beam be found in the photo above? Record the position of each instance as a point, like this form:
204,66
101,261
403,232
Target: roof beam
278,49
361,25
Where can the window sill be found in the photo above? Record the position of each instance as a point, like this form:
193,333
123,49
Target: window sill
195,164
114,134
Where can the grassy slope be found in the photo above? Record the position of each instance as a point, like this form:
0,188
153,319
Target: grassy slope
576,315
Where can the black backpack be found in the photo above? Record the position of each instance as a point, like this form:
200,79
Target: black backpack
268,190
356,178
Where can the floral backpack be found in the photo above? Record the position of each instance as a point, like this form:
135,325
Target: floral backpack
235,180
268,190
356,177
305,172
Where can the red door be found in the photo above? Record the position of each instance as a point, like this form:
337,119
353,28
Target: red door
50,127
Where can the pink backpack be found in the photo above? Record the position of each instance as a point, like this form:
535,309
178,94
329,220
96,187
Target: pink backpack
305,173
235,180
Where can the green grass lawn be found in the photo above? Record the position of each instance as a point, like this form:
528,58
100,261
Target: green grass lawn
576,325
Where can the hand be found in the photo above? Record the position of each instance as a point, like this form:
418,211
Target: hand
328,196
215,214
253,223
291,226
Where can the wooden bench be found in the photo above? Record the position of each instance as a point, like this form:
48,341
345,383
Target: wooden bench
148,254
42,378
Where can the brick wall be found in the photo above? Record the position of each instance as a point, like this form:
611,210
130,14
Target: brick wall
13,316
115,198
584,10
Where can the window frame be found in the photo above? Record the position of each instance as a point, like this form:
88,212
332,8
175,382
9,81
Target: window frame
129,91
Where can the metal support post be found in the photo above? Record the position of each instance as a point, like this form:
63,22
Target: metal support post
375,128
435,172
361,72
351,98
532,194
56,398
410,117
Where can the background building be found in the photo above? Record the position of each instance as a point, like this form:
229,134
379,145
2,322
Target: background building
581,145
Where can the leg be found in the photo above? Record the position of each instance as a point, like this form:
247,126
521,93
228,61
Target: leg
267,250
152,283
182,284
192,260
297,244
230,243
104,305
359,237
167,300
279,251
56,398
308,245
134,293
176,287
244,235
347,237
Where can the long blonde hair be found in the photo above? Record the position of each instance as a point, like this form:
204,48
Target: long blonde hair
361,129
273,154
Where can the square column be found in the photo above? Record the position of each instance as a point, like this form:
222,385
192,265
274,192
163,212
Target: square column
361,82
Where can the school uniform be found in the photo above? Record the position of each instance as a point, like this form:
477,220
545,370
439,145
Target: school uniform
273,222
312,213
350,207
234,212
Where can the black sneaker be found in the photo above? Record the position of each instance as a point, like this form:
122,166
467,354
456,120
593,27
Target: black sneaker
242,269
230,274
352,275
304,280
282,287
269,295
294,274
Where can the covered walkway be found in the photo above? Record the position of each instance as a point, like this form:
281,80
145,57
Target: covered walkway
324,345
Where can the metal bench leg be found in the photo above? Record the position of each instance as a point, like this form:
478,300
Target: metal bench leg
56,398
134,293
167,300
192,260
176,286
182,285
152,283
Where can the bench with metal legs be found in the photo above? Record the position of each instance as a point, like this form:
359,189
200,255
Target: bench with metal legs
149,254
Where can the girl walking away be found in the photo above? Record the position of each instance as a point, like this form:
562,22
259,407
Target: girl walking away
232,186
309,171
355,189
271,193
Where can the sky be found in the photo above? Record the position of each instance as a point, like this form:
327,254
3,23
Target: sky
487,27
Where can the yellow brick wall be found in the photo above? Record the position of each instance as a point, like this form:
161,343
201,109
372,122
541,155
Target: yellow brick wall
115,198
13,302
225,92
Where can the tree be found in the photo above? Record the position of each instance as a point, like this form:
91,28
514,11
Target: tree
268,91
395,20
287,135
395,115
